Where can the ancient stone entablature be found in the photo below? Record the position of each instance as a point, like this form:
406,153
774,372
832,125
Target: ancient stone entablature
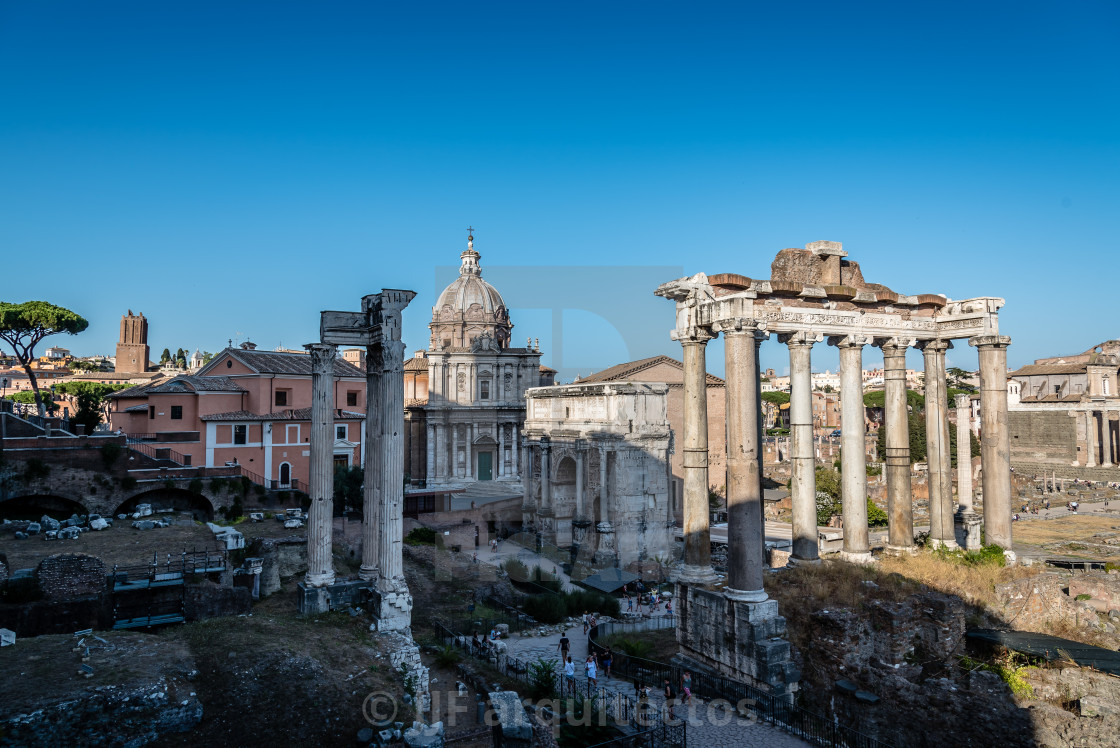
815,294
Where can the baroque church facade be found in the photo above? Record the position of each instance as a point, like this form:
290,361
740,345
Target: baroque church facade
465,395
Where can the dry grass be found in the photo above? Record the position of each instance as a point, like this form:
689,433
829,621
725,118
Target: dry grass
974,584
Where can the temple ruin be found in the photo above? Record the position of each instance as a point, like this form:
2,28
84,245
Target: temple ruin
815,294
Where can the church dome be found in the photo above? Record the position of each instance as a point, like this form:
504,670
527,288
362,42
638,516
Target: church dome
469,289
469,309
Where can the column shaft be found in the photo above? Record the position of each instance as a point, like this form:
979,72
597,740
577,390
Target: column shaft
513,450
697,539
320,565
546,477
501,459
995,444
1106,440
579,484
745,538
941,530
1090,438
853,456
430,472
804,484
900,508
392,461
964,454
371,470
603,485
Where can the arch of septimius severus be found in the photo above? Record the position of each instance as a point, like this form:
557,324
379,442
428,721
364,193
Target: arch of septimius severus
815,295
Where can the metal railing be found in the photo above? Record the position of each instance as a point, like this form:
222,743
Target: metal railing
157,453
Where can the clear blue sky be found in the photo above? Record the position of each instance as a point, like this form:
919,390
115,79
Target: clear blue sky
230,169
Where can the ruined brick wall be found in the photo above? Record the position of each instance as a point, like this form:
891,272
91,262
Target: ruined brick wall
66,576
283,558
1041,437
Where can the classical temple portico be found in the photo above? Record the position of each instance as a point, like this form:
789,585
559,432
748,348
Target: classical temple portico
814,294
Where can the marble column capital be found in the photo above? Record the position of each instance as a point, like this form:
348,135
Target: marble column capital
800,339
963,401
694,336
894,345
934,346
322,354
990,341
849,341
742,326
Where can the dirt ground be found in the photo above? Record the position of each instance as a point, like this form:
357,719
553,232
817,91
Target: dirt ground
123,545
1083,535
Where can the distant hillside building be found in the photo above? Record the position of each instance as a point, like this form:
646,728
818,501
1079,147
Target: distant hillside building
1063,413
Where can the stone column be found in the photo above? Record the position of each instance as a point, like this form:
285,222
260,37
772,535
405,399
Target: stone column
546,476
1090,438
501,449
371,470
967,522
391,564
697,567
606,549
853,456
468,451
513,452
900,509
995,441
579,484
745,536
320,566
804,484
1106,440
942,528
454,471
430,473
760,336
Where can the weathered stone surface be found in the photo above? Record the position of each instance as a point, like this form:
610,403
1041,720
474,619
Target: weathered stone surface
70,575
424,736
510,715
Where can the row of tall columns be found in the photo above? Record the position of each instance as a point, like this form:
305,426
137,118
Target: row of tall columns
697,567
1098,444
320,564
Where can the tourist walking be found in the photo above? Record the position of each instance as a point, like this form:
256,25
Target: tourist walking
608,658
569,675
564,646
590,665
686,687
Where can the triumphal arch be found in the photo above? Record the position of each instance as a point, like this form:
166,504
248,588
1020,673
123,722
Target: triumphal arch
814,295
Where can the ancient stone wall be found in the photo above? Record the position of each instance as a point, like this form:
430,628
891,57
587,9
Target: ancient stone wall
211,601
1042,437
283,558
66,576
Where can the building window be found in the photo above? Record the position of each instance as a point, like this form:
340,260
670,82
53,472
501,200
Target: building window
352,398
484,389
239,434
340,432
176,412
186,460
151,412
282,398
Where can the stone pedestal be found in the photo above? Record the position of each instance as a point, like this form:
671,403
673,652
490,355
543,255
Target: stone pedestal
392,604
967,528
740,639
607,552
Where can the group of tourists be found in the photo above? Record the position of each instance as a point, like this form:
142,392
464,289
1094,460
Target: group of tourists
591,665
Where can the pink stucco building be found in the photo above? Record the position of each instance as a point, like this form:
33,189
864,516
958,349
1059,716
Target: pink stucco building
248,407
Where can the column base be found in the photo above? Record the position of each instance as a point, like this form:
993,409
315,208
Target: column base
368,573
324,579
735,638
392,605
857,557
795,561
698,575
901,550
745,596
949,545
967,525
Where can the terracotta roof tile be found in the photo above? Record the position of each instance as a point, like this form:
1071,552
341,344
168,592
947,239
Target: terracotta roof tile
621,372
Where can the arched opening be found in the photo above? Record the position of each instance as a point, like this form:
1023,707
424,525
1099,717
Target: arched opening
170,499
34,506
285,475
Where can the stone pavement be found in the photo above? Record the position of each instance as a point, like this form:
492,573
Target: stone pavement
709,725
508,549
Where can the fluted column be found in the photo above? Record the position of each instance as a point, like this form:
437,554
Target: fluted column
513,452
964,453
371,470
1106,440
454,472
745,536
804,479
391,564
900,509
1090,438
697,567
501,460
320,566
853,455
995,442
579,484
431,451
546,476
941,531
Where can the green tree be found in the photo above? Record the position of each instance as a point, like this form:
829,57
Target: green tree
22,326
958,377
877,399
27,397
89,396
165,356
777,398
181,358
916,433
348,487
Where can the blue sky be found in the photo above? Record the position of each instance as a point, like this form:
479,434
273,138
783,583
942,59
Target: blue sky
230,169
